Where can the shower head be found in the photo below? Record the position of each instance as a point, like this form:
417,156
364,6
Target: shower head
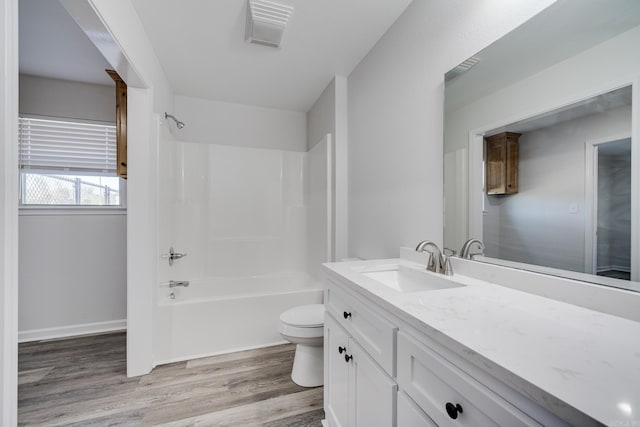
179,124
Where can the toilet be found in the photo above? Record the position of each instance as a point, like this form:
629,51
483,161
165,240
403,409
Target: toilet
304,326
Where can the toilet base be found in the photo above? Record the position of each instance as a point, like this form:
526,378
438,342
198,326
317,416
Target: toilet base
308,367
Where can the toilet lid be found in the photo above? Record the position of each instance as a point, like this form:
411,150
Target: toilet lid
304,316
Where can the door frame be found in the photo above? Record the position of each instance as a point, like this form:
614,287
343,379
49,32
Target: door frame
9,214
591,199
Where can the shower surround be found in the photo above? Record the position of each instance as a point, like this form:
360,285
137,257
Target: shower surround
255,224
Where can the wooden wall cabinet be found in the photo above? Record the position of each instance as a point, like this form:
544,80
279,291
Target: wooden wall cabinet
121,124
501,166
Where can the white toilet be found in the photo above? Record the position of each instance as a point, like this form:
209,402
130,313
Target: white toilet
304,326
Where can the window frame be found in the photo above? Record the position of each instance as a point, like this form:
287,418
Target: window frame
52,208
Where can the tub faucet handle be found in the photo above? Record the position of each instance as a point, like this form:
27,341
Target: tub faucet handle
173,255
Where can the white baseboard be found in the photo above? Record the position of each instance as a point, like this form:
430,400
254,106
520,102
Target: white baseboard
72,330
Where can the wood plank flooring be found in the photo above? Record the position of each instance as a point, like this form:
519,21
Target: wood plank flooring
82,382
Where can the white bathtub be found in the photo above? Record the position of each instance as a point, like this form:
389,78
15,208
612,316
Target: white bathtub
222,315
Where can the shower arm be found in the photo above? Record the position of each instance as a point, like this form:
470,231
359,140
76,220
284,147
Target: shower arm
179,124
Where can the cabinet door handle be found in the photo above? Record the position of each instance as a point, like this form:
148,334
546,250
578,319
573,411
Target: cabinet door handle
346,314
341,349
453,410
347,357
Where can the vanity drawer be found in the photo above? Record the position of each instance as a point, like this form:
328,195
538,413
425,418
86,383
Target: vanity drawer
434,383
409,415
374,333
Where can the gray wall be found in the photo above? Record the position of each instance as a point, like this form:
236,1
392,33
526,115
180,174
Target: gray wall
215,122
536,225
61,98
396,119
72,263
321,118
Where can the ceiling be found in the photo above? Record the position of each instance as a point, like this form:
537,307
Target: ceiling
53,45
534,46
200,44
201,47
595,105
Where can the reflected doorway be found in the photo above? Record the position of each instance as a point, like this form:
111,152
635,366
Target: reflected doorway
612,208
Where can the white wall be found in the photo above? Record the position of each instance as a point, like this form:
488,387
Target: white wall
536,225
62,98
396,115
72,263
215,122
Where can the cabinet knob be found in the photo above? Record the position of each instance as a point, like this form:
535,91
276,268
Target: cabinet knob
347,357
341,349
346,314
453,410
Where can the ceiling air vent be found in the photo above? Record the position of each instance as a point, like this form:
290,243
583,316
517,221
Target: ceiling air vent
266,21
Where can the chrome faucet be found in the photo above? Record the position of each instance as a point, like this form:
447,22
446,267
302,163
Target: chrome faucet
173,255
465,252
438,263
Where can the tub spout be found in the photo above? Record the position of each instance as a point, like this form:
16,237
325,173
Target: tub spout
174,283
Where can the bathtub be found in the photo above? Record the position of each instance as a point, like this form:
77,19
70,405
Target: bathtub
223,315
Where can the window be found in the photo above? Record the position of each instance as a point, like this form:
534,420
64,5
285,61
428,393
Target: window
67,163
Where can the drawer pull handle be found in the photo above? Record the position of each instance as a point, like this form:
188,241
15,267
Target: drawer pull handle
346,314
341,349
347,357
453,410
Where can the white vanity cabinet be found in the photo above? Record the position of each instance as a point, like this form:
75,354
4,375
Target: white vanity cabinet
357,391
448,395
381,371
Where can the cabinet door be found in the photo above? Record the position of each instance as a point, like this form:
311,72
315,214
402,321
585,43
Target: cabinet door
336,374
496,153
375,334
372,392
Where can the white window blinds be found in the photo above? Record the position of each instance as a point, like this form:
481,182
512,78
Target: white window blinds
66,146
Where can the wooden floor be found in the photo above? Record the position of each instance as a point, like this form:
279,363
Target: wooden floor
82,382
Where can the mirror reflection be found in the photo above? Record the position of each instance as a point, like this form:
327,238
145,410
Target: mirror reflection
545,218
539,145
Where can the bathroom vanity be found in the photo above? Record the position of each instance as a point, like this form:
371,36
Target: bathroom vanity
407,347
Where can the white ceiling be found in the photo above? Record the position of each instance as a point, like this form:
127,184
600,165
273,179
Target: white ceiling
598,104
564,29
53,45
200,44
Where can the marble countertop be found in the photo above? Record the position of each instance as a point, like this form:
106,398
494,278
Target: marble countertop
570,360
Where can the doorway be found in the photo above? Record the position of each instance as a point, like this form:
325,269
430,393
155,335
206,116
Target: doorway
608,198
613,210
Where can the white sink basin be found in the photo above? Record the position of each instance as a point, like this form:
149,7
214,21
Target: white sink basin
407,280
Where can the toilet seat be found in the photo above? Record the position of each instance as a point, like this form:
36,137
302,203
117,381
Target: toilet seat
304,316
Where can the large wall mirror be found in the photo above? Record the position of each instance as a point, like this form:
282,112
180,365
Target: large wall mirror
542,145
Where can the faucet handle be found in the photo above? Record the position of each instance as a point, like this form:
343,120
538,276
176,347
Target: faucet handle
431,263
448,252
